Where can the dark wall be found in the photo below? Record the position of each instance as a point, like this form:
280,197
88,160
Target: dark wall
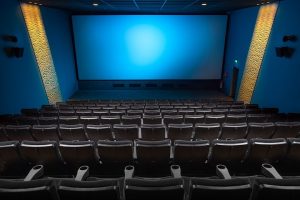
20,81
278,84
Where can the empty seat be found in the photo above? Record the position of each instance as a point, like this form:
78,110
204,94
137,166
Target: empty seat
41,153
99,132
188,152
100,112
117,112
78,153
25,120
152,119
159,188
3,136
153,131
228,152
153,152
169,111
207,131
234,130
18,132
48,120
72,132
266,151
194,119
218,111
236,118
89,120
50,113
259,118
180,131
213,189
115,152
287,130
10,160
30,112
152,112
70,120
33,190
45,132
67,112
203,111
110,119
269,188
260,130
135,112
186,111
132,119
237,111
92,190
173,119
215,118
126,132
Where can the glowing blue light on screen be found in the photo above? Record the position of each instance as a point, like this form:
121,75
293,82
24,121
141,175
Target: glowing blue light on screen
145,44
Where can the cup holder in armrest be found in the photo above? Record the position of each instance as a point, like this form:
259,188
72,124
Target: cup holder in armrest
269,171
129,171
176,171
82,173
35,173
222,172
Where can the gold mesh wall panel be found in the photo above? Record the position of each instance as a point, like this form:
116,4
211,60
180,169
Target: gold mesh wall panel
41,48
263,27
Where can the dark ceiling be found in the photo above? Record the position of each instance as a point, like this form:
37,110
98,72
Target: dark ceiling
150,6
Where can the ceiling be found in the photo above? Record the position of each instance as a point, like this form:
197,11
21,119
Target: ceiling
150,6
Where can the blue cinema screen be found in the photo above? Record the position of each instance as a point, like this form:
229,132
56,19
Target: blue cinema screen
149,47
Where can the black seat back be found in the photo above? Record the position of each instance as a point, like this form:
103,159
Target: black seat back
126,132
99,132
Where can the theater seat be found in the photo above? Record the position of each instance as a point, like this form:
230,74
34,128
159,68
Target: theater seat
99,132
10,161
45,132
153,131
260,130
228,152
78,153
214,189
236,118
194,119
153,152
266,151
173,119
33,190
91,190
132,119
48,120
113,119
234,130
152,119
180,131
41,153
18,132
149,189
206,131
115,152
126,132
72,132
69,120
215,118
287,130
269,188
89,120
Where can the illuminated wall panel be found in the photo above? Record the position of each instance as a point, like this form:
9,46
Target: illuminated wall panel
39,41
257,50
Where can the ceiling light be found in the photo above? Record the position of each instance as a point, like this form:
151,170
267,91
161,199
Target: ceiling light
40,4
35,3
95,4
204,4
30,2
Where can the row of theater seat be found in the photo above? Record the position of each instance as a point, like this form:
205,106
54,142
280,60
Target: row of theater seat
269,185
150,131
198,154
138,119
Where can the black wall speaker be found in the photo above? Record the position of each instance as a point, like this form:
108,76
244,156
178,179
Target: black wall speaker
19,52
285,52
10,38
292,38
14,52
